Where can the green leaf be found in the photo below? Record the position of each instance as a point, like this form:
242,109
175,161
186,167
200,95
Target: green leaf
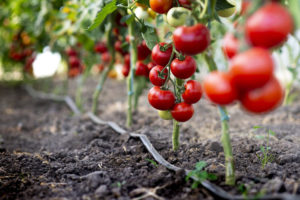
272,132
200,165
212,177
260,137
144,2
256,127
168,34
195,185
222,5
150,36
127,19
102,14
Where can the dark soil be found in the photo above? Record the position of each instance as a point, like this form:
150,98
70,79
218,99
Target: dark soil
47,153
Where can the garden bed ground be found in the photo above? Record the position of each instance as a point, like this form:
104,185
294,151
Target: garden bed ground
46,153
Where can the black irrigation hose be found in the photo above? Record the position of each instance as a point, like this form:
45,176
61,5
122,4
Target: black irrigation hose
216,191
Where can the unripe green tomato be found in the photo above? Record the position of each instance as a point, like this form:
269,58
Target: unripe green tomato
227,12
177,16
141,13
165,114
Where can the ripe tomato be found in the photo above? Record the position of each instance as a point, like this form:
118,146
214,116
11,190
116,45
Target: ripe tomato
71,52
219,89
230,45
74,61
182,112
165,114
141,69
151,65
143,51
161,99
127,59
154,75
161,57
183,69
100,47
263,99
185,3
177,16
118,47
252,68
106,57
73,72
269,26
125,70
101,67
161,6
191,40
193,92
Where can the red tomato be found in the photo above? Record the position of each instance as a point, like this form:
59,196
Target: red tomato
151,65
101,67
161,57
116,31
219,89
263,99
125,70
183,69
252,68
191,40
74,61
141,69
154,75
127,59
161,6
185,3
182,112
73,72
71,52
118,47
230,45
106,57
193,92
100,47
143,51
161,99
269,26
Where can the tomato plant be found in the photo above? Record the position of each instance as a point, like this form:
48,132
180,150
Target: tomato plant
183,69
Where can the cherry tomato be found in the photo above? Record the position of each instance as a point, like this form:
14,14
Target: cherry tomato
219,89
151,65
125,70
230,45
177,16
127,59
183,69
165,114
74,61
143,51
182,112
263,99
71,52
193,92
161,6
161,57
161,99
73,72
191,40
101,67
100,47
185,3
141,69
118,47
269,26
252,68
106,57
154,75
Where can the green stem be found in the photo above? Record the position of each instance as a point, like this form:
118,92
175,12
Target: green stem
225,138
78,99
139,86
133,59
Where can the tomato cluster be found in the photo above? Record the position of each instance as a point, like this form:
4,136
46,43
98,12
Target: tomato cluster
250,78
75,65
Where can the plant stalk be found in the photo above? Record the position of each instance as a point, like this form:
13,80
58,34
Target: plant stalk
139,86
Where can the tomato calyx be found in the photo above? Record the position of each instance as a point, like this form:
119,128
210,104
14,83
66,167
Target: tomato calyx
164,47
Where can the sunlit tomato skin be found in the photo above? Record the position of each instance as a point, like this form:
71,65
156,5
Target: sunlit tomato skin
127,59
219,89
252,68
165,114
183,69
185,3
269,26
161,6
193,92
191,40
74,61
100,47
263,99
154,75
182,112
230,45
106,57
161,99
125,70
141,69
143,51
161,57
151,65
